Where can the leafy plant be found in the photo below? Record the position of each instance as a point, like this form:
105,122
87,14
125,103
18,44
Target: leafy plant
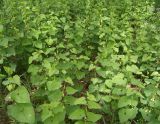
82,61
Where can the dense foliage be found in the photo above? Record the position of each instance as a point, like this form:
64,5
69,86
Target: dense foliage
80,62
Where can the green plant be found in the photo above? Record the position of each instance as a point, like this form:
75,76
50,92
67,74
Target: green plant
81,62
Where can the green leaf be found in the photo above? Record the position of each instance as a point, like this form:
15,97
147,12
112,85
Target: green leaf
95,80
10,51
154,102
69,80
80,75
70,90
106,98
52,110
127,114
93,105
133,68
52,30
75,101
93,117
46,113
33,69
146,114
80,101
137,83
1,60
56,119
8,70
77,114
91,97
154,121
49,41
59,117
84,122
4,42
133,59
91,67
38,80
1,28
16,80
127,101
59,108
109,83
53,85
35,56
20,95
12,80
69,100
55,96
23,113
2,76
119,79
47,64
38,45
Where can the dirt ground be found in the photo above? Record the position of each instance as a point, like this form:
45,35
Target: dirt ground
3,117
